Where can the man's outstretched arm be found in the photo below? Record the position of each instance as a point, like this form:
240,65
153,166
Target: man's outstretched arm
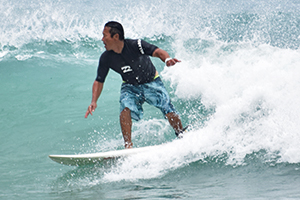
165,57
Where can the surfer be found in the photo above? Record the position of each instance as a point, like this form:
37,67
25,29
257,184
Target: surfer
141,81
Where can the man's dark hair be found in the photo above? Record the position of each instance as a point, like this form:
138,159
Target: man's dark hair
116,28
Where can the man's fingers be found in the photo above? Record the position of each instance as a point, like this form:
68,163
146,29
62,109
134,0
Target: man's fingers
177,60
172,62
89,111
86,114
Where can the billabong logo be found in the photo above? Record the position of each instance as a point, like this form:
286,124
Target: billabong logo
126,69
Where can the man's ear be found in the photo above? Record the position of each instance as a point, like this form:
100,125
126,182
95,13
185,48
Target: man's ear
116,36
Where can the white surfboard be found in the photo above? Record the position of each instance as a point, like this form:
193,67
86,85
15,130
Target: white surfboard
92,158
87,159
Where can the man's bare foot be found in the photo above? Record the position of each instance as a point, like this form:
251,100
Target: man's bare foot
128,145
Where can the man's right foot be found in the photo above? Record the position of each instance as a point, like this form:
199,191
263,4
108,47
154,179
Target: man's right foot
128,145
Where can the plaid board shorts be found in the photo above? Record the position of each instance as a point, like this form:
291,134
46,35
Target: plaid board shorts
154,93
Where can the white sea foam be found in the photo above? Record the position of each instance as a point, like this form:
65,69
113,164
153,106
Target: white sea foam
255,92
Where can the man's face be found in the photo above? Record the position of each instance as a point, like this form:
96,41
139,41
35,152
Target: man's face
107,39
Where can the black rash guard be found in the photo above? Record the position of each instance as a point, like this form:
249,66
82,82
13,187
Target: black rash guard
133,64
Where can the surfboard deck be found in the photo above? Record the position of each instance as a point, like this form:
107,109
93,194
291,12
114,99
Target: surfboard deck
93,158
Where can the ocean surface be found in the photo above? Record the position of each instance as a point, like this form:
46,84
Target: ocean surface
238,85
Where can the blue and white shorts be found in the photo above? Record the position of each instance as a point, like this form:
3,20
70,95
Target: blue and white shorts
154,93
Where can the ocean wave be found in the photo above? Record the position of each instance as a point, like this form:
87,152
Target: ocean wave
275,24
84,48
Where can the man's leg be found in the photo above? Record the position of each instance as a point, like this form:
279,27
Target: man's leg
175,122
126,123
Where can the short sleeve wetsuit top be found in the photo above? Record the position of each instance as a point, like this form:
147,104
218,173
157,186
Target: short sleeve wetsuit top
133,64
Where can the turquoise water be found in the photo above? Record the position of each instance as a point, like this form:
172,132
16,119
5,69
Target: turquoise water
238,85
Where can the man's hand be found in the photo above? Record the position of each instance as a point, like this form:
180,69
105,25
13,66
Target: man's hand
90,109
97,89
165,57
171,61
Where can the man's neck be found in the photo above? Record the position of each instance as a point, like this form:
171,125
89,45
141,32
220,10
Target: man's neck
119,47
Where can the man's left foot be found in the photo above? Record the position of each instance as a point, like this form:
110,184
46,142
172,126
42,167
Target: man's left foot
180,134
